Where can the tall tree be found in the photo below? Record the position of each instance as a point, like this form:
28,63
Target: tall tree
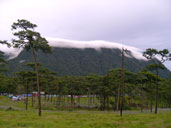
29,39
122,77
150,80
114,78
162,56
24,77
33,80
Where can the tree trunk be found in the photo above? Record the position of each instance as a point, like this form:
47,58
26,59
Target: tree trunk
64,99
156,105
122,77
59,99
88,96
72,101
56,101
107,102
142,101
45,96
118,99
51,98
37,81
151,102
88,100
27,96
32,104
93,98
104,102
78,100
48,97
68,100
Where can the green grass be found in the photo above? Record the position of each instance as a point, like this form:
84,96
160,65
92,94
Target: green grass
82,119
10,118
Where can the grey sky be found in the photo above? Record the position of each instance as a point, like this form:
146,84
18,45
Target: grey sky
138,23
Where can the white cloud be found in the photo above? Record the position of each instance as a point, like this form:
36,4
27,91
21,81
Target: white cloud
11,52
63,43
98,44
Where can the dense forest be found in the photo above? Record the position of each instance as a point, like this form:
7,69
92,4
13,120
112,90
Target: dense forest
80,62
105,88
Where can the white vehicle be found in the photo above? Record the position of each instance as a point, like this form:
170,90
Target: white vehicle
17,98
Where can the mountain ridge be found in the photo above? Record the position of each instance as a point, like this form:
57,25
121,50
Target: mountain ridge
74,61
72,57
95,44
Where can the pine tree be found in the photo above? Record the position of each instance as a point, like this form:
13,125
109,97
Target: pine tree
29,39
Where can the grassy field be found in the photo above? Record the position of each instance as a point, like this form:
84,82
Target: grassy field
82,119
10,118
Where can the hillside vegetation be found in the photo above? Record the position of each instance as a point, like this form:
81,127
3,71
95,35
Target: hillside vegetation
72,61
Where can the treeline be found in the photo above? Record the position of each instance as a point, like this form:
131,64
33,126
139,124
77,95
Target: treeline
106,90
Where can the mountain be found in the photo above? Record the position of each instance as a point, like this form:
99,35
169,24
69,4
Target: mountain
72,57
75,61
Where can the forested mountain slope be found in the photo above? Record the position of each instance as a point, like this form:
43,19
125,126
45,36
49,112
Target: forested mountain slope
74,61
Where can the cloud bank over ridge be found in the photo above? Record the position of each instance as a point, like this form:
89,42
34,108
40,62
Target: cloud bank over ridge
96,44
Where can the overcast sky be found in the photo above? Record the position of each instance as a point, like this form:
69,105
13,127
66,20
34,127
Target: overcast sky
139,23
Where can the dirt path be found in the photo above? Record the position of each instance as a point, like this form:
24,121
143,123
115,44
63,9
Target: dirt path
145,111
126,112
8,107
